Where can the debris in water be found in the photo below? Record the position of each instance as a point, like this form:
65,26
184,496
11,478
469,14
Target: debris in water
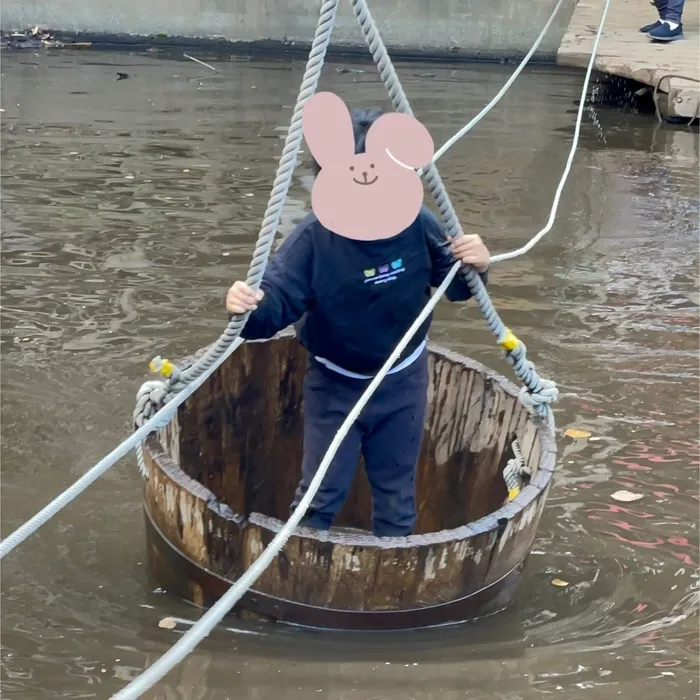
122,76
201,63
559,582
626,496
167,623
37,38
576,433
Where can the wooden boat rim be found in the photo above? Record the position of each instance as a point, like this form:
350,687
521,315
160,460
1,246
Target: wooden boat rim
393,620
492,521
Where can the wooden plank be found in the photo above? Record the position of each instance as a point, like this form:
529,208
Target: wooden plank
625,52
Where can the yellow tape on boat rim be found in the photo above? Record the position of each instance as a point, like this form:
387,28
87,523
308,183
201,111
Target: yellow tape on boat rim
513,493
510,341
162,366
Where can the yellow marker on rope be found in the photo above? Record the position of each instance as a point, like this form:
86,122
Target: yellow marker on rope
510,341
163,366
513,493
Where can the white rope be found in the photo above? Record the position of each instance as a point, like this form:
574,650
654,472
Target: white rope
210,619
158,420
203,627
32,525
569,161
465,129
215,614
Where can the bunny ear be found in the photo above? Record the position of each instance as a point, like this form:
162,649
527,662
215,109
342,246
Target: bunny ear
328,128
406,139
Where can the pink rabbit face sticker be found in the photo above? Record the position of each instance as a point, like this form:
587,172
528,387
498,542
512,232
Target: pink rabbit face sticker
365,196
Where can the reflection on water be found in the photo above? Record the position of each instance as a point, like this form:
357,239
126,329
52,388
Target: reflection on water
128,208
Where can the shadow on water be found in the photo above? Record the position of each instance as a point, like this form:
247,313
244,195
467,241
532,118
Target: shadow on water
129,206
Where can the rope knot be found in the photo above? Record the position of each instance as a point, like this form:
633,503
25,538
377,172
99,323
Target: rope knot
149,399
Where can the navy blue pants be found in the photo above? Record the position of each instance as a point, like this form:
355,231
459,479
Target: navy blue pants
388,434
671,10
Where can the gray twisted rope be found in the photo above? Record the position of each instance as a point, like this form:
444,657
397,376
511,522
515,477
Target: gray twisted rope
153,394
515,471
538,393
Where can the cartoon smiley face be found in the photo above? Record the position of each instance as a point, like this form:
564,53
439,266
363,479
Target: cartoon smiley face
363,172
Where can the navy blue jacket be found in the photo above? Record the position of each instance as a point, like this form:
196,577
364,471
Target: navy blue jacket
354,300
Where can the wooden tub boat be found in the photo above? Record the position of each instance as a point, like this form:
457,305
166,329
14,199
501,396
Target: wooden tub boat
222,474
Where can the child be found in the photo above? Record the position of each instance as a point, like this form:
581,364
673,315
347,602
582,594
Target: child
352,301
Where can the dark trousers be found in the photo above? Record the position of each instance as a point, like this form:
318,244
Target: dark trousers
388,434
671,10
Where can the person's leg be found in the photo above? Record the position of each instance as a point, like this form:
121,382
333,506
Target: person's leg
391,447
673,11
670,29
326,405
661,9
661,6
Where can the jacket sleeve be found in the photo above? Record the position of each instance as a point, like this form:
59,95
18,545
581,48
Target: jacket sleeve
443,260
287,287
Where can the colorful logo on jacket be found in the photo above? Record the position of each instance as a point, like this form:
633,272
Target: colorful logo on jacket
384,273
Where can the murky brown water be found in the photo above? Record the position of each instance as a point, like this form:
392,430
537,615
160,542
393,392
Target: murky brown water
128,208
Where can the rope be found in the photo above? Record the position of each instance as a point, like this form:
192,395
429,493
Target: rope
569,161
215,614
657,87
515,472
537,392
545,392
465,129
153,394
159,420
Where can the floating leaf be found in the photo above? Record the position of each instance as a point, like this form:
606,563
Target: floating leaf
559,582
576,433
626,496
167,623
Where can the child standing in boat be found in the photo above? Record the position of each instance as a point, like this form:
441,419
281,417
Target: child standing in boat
351,301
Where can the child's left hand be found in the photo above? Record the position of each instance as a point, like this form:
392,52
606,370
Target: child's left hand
471,250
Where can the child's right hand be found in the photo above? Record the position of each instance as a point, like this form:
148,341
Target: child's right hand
242,298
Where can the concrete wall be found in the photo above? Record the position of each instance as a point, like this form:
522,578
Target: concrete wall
467,28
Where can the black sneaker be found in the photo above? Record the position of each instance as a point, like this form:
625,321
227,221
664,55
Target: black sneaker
665,33
649,27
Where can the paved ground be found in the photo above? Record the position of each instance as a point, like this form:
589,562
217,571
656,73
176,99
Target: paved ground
625,52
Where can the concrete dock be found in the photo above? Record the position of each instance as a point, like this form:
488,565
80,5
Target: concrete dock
623,51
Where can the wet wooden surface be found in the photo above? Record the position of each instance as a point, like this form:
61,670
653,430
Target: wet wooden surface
625,52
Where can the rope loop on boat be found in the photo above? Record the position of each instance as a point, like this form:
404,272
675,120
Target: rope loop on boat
515,472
